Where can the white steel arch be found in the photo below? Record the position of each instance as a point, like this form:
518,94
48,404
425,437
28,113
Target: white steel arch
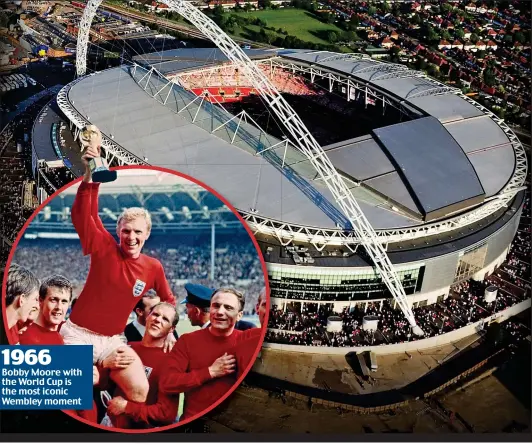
301,137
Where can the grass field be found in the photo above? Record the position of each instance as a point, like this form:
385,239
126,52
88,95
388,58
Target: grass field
297,22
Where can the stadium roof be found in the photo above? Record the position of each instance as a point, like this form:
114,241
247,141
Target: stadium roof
42,134
173,61
467,142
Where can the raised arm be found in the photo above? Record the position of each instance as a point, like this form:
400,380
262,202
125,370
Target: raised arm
86,220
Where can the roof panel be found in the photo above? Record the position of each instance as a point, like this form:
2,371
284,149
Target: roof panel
477,133
360,159
392,185
494,179
446,107
431,163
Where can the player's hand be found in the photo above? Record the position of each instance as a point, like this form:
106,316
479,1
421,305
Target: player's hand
222,366
91,151
117,406
119,359
95,376
169,342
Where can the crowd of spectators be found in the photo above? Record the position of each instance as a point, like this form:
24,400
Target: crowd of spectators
235,265
15,168
306,323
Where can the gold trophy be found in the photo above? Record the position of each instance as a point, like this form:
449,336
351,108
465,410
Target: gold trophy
90,136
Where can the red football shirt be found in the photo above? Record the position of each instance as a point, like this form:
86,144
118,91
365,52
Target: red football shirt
115,282
160,408
37,335
12,335
187,369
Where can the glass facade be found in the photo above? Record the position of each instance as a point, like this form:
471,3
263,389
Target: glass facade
338,285
470,263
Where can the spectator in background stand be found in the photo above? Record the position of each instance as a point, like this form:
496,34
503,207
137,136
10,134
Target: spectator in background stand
135,330
22,297
55,294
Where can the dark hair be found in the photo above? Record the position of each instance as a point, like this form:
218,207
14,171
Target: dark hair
19,281
239,295
140,304
176,316
57,281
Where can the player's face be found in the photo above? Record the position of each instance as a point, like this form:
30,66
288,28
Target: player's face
55,306
148,305
261,309
29,304
159,322
133,234
225,311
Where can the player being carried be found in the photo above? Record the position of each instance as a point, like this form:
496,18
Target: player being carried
119,275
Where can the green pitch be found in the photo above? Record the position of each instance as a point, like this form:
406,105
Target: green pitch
297,22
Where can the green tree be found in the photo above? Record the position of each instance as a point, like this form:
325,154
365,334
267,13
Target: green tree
332,37
433,70
415,19
421,64
386,7
508,38
446,35
519,37
432,35
459,33
446,7
481,54
372,11
501,89
489,76
474,38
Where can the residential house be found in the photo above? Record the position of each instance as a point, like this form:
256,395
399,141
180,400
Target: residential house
386,43
394,35
415,6
457,44
444,44
480,46
471,7
468,46
372,35
491,45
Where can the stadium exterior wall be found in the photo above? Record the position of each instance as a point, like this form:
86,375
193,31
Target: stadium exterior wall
439,273
398,348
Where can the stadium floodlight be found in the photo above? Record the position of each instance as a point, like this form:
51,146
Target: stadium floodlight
206,212
186,212
110,214
167,213
301,137
47,213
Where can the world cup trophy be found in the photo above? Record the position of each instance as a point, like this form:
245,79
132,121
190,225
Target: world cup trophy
92,137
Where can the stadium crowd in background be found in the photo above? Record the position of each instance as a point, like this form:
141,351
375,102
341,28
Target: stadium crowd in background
182,264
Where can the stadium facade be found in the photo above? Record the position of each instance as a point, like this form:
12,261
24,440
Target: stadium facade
442,186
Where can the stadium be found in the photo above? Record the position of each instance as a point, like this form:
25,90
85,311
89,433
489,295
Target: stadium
404,195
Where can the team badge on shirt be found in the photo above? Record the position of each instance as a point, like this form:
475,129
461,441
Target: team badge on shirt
138,288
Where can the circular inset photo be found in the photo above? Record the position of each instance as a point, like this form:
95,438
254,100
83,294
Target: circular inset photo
159,274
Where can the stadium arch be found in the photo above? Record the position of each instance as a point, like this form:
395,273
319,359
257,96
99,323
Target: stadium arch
302,137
